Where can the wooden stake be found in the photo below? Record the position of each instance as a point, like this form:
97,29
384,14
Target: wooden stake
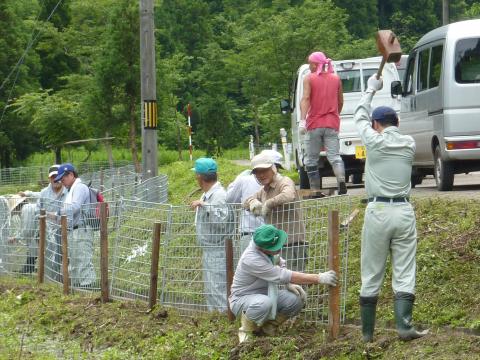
66,280
41,246
229,270
157,227
333,264
104,252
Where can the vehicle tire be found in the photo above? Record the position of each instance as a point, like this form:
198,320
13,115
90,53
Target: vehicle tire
443,171
357,178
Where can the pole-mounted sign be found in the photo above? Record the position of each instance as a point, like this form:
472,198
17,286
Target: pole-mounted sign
150,114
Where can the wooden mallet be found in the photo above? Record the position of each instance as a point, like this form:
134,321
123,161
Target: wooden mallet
389,46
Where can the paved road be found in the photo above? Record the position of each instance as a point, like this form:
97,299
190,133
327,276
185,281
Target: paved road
465,186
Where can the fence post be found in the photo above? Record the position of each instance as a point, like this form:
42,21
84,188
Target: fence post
157,227
104,252
66,280
229,269
333,264
41,246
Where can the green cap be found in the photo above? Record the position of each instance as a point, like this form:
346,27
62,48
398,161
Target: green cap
205,166
268,237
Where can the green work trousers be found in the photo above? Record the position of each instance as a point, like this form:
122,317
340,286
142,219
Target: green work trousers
388,228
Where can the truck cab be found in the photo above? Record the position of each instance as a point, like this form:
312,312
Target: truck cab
354,75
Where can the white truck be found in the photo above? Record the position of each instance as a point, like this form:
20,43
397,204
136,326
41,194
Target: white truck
354,75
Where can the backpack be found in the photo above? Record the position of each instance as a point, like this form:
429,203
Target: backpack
93,215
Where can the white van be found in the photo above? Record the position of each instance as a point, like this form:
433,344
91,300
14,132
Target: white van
354,75
440,102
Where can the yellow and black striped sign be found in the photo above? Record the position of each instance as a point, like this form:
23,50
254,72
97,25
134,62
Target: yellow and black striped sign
150,114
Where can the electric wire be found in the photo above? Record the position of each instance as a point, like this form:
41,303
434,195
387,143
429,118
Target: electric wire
22,58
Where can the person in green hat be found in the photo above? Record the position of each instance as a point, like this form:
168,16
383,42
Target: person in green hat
255,296
214,222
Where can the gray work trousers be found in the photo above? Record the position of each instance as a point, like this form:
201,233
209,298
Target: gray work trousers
80,255
388,228
257,307
318,138
215,278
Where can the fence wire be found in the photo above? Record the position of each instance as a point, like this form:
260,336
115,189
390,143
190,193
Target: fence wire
192,259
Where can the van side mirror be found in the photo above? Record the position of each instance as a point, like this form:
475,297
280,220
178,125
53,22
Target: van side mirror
285,106
396,88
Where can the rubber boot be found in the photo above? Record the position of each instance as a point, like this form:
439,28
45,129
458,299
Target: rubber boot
246,330
313,177
271,326
368,308
339,171
403,308
29,266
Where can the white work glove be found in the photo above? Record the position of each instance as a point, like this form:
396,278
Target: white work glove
374,84
302,127
265,209
256,207
328,278
297,290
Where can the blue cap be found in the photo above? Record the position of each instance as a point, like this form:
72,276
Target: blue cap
205,166
384,113
64,168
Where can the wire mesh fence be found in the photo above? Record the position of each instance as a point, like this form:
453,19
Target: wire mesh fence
34,175
192,271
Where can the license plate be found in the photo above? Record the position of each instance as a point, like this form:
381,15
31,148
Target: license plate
360,152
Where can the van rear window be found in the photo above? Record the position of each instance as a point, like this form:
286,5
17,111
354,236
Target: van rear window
351,79
467,61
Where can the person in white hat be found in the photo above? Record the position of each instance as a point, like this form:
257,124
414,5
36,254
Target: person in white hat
275,202
244,186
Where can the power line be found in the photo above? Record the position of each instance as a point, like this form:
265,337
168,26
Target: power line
22,58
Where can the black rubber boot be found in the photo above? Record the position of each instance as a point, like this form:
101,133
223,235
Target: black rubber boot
403,308
29,266
313,177
368,308
342,188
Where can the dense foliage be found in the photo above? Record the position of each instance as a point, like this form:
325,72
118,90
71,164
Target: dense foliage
70,69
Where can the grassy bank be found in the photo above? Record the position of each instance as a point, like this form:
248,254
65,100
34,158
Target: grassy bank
37,322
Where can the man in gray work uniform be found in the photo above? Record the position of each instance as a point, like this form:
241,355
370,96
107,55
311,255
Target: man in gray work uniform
389,225
258,270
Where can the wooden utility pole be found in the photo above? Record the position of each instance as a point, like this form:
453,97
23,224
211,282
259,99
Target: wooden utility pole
148,90
445,12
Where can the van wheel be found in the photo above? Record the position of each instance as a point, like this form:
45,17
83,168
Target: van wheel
416,180
443,172
356,179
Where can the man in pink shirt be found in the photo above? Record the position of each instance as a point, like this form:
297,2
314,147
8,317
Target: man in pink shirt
321,105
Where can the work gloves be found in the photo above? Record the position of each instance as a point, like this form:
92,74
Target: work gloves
374,84
297,290
302,127
328,278
256,207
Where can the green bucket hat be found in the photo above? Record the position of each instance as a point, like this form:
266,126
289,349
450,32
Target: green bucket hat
268,237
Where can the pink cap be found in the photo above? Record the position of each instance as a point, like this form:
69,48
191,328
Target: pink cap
319,58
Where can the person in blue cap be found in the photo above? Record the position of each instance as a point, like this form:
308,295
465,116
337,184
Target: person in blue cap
255,296
389,226
80,234
214,222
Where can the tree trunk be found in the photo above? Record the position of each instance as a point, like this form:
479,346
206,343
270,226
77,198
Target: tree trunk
58,155
108,148
256,124
132,134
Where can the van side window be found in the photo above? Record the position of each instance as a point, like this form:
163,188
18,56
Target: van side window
467,61
409,75
423,70
435,66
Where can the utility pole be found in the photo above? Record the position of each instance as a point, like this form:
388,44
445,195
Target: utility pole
148,91
445,12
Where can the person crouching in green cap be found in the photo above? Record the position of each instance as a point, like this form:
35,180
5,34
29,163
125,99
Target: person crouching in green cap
254,293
